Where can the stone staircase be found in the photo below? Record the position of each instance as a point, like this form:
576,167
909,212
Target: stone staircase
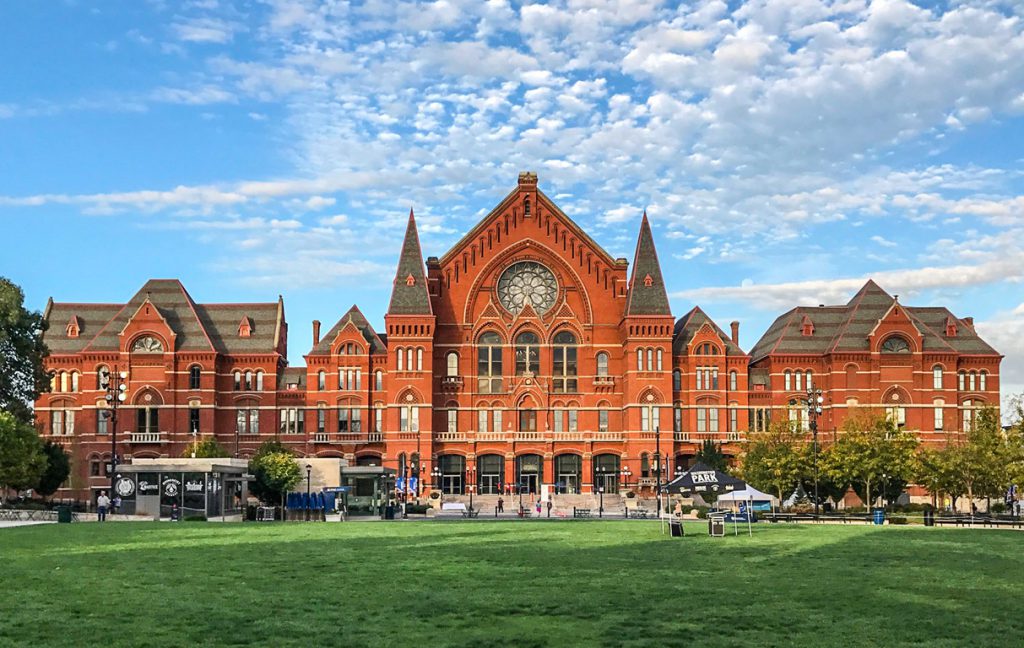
562,505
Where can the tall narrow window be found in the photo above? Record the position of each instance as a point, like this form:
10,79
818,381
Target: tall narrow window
452,364
700,378
961,377
194,376
238,381
602,364
799,386
789,380
937,377
982,379
74,381
488,366
321,421
677,380
974,377
602,420
810,380
419,359
968,416
248,381
573,420
713,419
558,420
193,420
714,379
343,427
254,422
57,422
321,380
259,381
659,360
650,359
481,420
359,379
400,355
378,422
640,360
453,420
63,381
527,354
702,419
497,420
645,419
733,381
378,380
938,417
677,419
102,422
564,362
734,422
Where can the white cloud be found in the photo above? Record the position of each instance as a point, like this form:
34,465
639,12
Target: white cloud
204,30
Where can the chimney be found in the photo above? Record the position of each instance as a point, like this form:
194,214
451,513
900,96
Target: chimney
316,332
735,333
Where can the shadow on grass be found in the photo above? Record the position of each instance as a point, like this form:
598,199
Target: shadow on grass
508,584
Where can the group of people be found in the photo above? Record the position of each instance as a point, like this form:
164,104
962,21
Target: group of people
106,505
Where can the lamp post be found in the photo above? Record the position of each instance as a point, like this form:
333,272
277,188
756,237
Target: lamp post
309,481
814,403
435,473
657,461
600,509
116,388
626,474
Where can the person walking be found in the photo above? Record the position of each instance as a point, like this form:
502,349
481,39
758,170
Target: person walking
549,506
501,505
102,504
116,505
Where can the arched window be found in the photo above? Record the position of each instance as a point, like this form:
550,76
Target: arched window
259,381
321,380
419,359
961,378
564,362
248,381
527,354
659,360
602,364
650,359
974,380
677,380
102,377
63,381
798,414
195,374
74,381
378,380
789,380
238,381
400,358
810,379
488,363
983,379
895,344
453,417
640,360
453,364
733,379
799,385
937,378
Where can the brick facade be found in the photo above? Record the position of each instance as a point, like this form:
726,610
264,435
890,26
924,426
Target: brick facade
525,354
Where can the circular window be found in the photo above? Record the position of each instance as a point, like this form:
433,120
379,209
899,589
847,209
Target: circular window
527,282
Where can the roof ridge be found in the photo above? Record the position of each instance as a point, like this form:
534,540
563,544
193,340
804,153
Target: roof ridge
192,309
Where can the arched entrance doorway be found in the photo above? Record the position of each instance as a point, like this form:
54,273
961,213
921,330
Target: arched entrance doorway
453,474
490,469
529,468
606,472
568,473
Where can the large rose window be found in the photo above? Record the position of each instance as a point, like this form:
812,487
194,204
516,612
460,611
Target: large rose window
527,282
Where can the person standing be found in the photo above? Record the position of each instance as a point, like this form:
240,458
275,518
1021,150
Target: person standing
501,505
116,505
102,504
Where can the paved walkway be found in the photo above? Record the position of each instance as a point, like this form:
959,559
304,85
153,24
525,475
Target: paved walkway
7,523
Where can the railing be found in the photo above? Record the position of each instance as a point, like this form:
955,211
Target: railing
529,436
146,437
607,436
490,436
568,436
681,436
451,382
449,436
375,437
321,437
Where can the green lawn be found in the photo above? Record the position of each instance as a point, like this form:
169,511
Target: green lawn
526,583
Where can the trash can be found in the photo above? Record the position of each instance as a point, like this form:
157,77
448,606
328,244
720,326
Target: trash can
879,516
716,526
389,512
64,514
929,517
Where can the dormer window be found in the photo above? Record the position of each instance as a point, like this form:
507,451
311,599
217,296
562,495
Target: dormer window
950,327
73,328
648,281
245,328
806,327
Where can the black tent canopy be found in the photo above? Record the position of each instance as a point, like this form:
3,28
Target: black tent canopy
703,479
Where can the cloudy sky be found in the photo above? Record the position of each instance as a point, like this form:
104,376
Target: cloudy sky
785,150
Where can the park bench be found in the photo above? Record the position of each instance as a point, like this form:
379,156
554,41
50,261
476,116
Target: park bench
525,512
581,512
639,513
471,513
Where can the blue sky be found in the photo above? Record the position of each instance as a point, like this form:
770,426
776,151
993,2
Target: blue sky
785,150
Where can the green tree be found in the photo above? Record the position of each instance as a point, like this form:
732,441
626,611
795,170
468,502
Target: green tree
776,459
274,472
22,376
710,454
870,449
206,448
22,461
938,472
58,467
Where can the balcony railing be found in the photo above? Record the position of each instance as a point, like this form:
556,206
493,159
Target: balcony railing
374,437
607,436
490,436
146,437
567,436
529,436
681,436
449,436
321,437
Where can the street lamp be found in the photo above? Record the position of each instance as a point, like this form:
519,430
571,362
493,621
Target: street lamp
600,510
436,474
626,474
657,459
116,389
814,402
309,474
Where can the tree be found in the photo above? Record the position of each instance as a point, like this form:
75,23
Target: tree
871,449
22,461
274,472
22,375
776,459
206,448
58,467
710,454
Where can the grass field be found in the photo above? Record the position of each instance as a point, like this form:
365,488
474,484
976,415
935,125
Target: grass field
613,583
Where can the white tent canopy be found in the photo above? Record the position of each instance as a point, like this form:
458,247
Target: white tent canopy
748,494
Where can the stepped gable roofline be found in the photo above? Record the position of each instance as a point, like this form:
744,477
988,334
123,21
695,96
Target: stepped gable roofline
409,294
549,204
646,295
356,317
688,325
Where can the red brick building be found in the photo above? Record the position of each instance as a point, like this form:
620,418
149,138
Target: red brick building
526,354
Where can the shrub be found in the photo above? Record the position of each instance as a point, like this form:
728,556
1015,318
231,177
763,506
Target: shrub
417,509
898,519
195,518
997,508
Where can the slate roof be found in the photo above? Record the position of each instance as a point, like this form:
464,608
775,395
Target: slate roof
296,375
414,299
847,327
643,299
198,327
354,315
688,325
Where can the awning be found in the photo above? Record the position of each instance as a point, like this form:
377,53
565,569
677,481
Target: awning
703,479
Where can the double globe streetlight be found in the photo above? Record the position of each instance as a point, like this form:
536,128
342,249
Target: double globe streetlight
815,400
116,388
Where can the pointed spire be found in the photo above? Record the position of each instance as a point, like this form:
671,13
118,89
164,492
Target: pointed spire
647,294
409,295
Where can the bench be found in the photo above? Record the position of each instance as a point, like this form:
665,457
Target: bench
581,512
639,514
471,513
525,512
